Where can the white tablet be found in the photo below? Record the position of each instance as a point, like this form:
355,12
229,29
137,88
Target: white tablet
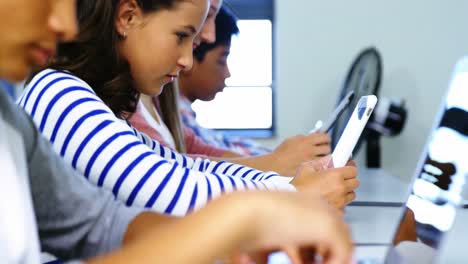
353,130
344,103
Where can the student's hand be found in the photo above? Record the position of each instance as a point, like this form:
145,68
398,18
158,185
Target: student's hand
302,221
299,149
336,185
296,255
255,221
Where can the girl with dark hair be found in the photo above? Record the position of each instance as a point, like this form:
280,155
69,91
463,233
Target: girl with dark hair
163,109
126,48
159,117
42,208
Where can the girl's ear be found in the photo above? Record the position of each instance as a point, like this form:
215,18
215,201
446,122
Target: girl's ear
129,15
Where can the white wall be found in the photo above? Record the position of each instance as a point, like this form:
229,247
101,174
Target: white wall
317,40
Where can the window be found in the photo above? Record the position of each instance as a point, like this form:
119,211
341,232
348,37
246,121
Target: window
237,108
245,107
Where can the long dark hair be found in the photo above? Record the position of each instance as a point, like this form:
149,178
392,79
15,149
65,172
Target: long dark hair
93,55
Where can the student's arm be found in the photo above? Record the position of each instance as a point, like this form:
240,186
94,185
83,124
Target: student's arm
74,218
230,154
288,156
195,145
246,221
145,222
113,155
285,159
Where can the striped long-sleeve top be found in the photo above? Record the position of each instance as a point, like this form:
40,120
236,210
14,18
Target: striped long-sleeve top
112,154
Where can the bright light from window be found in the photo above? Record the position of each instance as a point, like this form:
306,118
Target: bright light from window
250,61
247,101
237,108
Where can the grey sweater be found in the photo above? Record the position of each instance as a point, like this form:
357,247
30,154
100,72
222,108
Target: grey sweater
74,219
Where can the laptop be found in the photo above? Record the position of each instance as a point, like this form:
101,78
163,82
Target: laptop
436,188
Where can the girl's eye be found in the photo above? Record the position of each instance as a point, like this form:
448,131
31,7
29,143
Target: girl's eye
181,36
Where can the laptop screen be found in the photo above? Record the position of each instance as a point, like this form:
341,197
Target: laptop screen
440,176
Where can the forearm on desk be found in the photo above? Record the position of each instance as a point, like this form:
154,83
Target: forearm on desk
145,222
220,228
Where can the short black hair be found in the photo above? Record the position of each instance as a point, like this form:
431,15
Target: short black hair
226,26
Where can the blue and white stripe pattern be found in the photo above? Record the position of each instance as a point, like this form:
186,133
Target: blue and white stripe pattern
112,154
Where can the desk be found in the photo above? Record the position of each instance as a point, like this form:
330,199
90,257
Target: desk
372,225
455,249
373,228
374,216
378,188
